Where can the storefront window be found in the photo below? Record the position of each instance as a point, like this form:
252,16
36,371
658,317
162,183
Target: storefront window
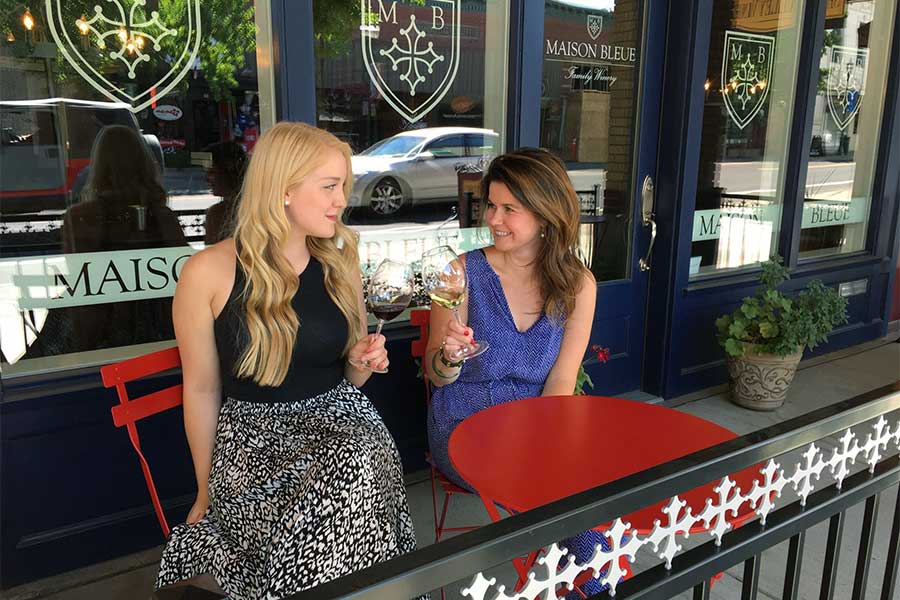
418,90
124,129
746,121
846,124
587,117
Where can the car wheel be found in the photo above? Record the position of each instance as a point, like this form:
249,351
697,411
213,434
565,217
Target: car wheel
387,197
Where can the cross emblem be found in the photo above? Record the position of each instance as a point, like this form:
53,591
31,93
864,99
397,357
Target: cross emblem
668,535
846,455
745,81
846,87
715,514
131,32
803,474
412,55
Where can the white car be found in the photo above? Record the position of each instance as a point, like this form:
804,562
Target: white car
419,166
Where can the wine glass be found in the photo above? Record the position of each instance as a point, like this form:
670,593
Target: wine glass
444,278
390,290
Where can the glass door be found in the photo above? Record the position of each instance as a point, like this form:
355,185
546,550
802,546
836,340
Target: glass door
600,98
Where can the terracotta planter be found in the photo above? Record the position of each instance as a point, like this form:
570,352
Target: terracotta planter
761,381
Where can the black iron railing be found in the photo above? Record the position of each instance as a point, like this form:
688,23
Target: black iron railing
472,553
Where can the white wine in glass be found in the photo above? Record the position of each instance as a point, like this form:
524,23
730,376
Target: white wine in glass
444,277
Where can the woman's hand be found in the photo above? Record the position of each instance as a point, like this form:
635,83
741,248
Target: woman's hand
201,505
457,338
370,350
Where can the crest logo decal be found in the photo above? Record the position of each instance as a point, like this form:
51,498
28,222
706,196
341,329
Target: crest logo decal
847,68
412,53
594,26
126,34
746,69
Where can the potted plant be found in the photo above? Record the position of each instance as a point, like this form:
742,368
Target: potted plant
765,338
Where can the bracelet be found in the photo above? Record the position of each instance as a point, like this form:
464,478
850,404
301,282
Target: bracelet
437,371
445,362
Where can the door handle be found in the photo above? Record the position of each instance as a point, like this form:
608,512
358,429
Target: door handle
647,215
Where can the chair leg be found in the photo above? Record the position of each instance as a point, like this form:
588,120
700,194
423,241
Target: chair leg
437,528
444,512
437,524
522,565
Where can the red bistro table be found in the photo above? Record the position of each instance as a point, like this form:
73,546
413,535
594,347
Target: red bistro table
530,452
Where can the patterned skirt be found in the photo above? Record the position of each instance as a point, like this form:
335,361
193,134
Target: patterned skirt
300,493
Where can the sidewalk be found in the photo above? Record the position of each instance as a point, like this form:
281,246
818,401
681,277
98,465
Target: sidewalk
824,383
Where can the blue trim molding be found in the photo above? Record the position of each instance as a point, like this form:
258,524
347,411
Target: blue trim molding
677,165
293,50
526,49
795,168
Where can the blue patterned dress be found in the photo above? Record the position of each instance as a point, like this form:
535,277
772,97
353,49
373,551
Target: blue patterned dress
515,366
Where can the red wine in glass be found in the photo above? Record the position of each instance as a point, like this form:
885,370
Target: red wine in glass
390,292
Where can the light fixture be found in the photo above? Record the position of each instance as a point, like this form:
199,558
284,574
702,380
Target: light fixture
28,20
10,36
139,42
83,27
123,35
706,85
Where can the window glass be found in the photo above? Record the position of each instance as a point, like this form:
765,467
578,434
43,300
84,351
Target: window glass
124,129
418,90
846,126
482,145
588,100
749,100
447,147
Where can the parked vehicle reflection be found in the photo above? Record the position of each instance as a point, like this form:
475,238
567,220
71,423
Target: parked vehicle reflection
418,167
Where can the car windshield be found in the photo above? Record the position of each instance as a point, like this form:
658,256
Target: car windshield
393,146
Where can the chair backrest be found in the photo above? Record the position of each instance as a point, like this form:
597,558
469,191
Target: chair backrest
131,410
422,318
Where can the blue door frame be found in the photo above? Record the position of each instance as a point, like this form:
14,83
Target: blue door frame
684,355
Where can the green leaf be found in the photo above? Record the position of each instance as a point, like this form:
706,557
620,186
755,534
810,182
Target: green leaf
750,309
734,347
582,379
723,323
737,329
773,296
768,329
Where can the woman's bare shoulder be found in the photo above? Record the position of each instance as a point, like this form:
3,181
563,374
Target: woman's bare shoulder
214,265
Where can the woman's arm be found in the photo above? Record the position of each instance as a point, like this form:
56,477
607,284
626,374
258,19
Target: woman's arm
192,314
561,380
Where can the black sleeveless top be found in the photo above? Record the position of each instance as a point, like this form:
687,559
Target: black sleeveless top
316,365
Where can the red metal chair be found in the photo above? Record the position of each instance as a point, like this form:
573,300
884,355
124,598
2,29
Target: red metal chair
131,410
422,317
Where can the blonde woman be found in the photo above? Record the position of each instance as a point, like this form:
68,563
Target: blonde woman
299,481
529,297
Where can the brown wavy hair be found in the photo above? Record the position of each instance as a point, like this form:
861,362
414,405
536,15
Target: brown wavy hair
539,180
284,156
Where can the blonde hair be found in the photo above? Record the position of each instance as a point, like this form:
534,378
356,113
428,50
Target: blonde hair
284,156
539,181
